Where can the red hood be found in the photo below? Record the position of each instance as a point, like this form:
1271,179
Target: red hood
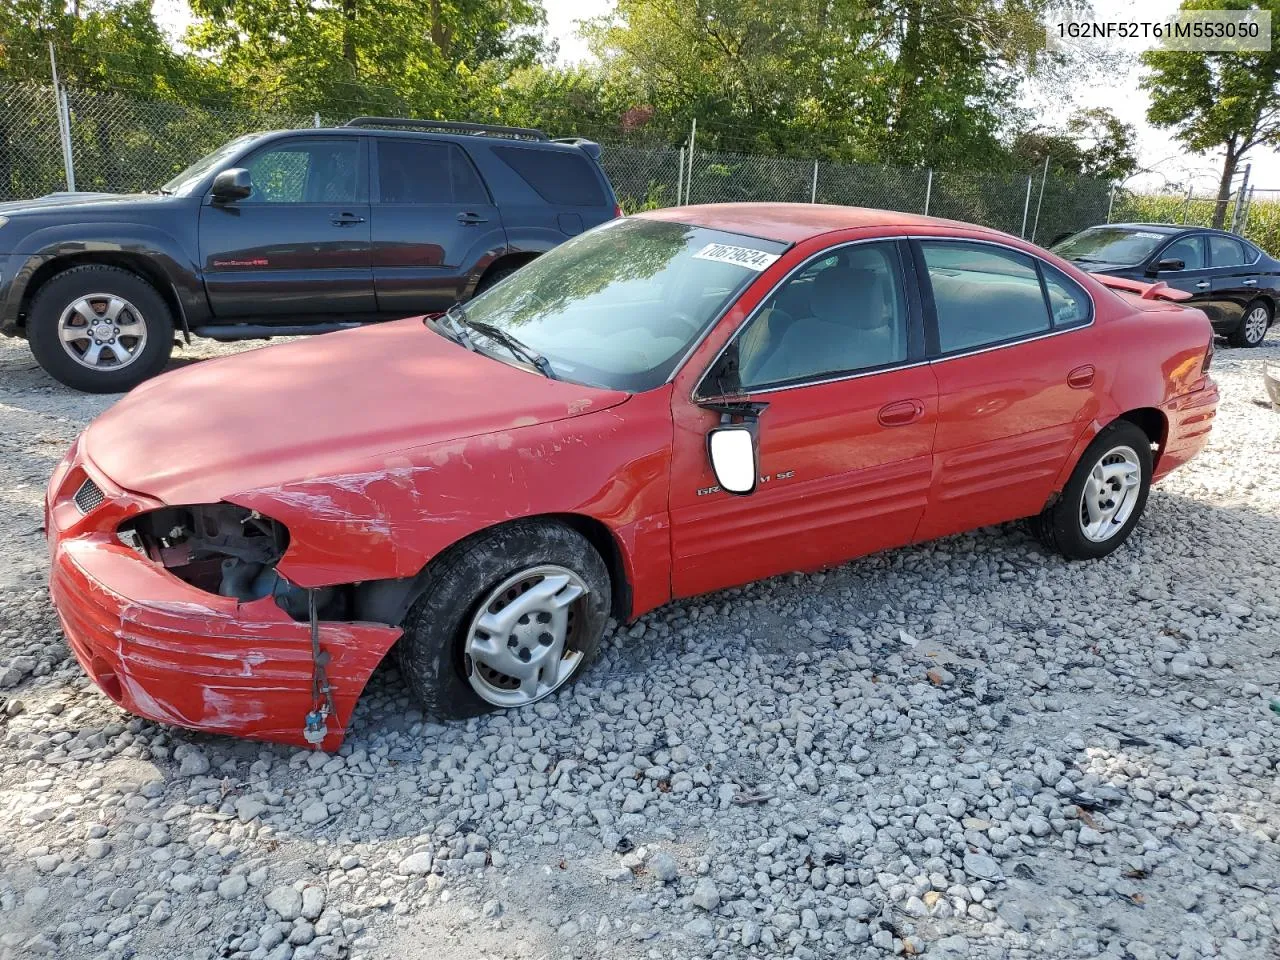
314,408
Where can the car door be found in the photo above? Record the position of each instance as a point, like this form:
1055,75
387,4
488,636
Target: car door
1193,277
1234,279
298,245
845,442
1013,351
433,222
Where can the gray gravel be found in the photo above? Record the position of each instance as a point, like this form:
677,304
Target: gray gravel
965,749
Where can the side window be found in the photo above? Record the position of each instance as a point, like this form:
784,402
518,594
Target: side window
843,312
558,176
1068,303
1225,252
983,294
1188,249
426,171
306,171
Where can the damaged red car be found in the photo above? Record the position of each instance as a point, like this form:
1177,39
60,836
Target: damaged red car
667,405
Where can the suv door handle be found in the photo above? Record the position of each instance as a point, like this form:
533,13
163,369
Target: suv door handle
1202,285
1081,377
900,413
472,218
343,219
1250,283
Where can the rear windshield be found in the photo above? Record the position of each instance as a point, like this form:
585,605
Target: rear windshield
1122,246
560,177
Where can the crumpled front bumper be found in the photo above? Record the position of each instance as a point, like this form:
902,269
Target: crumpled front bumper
170,652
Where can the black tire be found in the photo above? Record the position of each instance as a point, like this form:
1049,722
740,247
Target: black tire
1243,335
495,276
63,290
431,650
1060,526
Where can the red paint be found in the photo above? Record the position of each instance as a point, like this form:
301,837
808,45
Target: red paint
379,448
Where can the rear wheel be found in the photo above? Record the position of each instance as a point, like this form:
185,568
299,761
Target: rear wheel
1103,499
506,619
1253,326
100,329
496,275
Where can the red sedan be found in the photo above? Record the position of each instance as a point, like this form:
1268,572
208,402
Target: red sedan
667,405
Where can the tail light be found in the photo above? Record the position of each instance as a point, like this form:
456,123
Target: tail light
1208,358
617,210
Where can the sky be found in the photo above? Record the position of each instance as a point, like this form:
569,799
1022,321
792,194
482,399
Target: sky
1118,90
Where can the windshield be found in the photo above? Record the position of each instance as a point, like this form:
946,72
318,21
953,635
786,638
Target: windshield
1123,246
191,176
618,307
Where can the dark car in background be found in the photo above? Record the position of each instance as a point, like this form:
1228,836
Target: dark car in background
1236,284
285,233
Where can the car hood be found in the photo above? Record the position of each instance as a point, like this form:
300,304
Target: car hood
316,408
1115,269
53,202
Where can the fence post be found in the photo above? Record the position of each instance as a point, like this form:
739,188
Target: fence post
928,191
693,138
1111,202
64,123
1044,178
317,119
680,181
813,194
1026,209
1244,185
1186,205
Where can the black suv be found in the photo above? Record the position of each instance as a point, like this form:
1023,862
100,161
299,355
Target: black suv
288,232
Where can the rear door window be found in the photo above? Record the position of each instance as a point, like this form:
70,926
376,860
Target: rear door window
427,171
983,294
1226,252
558,176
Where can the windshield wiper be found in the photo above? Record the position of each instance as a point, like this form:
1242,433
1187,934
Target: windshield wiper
524,351
456,319
163,192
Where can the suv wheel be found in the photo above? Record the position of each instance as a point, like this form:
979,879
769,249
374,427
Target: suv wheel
1253,326
506,619
100,329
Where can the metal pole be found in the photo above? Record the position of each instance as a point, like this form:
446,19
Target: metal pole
928,191
1026,208
1111,202
813,194
1240,194
317,119
64,123
680,181
693,138
1044,178
1186,205
1248,205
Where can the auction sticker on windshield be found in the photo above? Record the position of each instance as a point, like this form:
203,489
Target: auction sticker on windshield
756,260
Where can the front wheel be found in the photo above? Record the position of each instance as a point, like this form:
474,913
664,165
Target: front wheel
506,619
1253,327
1102,502
100,329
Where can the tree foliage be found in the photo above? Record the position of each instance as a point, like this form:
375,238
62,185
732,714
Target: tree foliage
1093,143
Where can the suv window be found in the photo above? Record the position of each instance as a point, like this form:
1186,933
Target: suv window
1187,249
425,171
983,294
559,177
843,312
1226,252
306,171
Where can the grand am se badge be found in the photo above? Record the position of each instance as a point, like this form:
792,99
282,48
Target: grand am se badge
784,475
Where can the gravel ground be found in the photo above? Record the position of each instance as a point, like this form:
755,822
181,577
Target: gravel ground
962,749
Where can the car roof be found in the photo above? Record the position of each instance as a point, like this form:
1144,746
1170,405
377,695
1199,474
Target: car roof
401,133
1168,228
793,222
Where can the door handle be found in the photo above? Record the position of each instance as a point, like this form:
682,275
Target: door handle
343,219
1202,285
472,218
900,413
1081,377
1250,283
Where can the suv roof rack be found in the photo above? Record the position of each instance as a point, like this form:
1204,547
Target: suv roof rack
448,125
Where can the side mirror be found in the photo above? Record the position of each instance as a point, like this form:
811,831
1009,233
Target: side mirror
232,185
733,457
1170,263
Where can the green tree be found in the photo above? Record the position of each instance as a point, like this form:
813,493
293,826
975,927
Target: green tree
1218,101
1093,143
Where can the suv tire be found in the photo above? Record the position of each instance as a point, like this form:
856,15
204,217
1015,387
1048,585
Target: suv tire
128,328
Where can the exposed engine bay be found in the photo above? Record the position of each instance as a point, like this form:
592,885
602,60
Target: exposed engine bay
230,551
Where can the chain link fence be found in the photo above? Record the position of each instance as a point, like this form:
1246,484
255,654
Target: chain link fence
119,143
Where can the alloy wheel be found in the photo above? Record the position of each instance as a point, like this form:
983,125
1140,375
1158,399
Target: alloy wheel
1255,325
1110,494
102,331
